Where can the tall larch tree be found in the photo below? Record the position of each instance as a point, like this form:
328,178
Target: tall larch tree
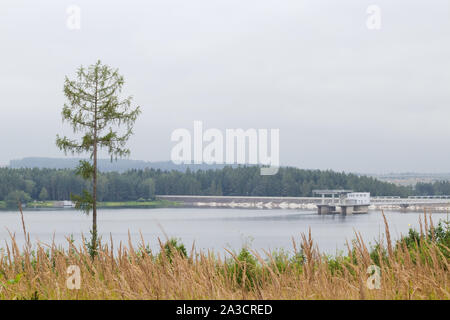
102,119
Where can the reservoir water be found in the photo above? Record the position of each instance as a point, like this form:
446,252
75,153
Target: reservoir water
214,229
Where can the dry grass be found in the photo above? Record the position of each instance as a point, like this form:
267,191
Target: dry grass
134,273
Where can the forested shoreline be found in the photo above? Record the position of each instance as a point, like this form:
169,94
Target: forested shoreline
58,184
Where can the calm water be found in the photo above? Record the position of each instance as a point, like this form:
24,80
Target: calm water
210,228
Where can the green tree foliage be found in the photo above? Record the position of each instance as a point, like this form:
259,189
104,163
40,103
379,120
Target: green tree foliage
242,181
43,195
148,188
29,186
437,188
14,197
105,121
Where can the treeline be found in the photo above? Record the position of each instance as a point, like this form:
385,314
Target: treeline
105,165
438,188
53,184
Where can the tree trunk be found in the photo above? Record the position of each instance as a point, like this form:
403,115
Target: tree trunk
94,179
94,200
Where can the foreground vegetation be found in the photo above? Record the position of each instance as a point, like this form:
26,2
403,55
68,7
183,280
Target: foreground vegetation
414,267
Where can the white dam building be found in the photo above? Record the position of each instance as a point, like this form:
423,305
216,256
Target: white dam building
343,202
358,198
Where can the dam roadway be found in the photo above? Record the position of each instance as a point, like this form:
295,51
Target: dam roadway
245,202
299,202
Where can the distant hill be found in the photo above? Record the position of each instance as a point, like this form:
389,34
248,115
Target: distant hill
105,165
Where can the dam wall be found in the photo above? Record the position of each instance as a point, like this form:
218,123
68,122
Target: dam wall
246,202
285,203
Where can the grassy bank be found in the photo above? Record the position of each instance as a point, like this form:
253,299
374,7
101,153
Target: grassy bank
40,204
110,204
415,267
139,204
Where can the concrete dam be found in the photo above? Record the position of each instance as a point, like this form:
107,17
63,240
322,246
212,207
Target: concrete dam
246,202
311,203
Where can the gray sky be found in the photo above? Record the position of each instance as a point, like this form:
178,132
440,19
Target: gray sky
344,97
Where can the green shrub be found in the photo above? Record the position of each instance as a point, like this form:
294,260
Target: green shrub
171,246
281,261
245,261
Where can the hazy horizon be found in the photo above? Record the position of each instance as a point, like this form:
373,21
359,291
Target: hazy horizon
213,166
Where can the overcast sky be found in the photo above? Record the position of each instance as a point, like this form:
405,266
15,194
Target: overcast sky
343,96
